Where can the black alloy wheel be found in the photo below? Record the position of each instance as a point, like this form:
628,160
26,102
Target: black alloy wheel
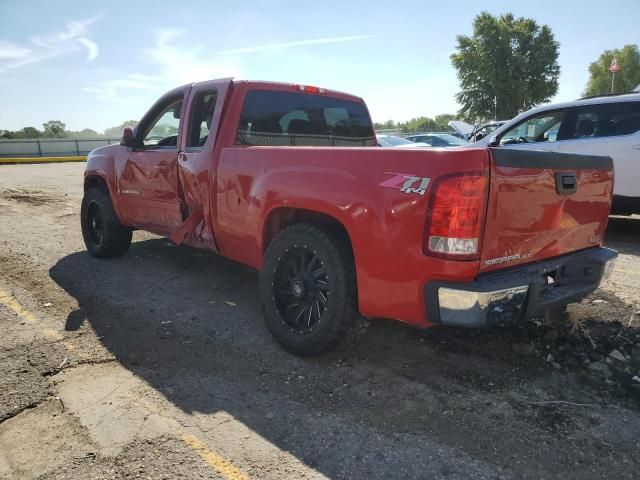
301,289
95,224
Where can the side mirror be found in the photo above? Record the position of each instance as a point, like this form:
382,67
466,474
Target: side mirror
127,137
493,142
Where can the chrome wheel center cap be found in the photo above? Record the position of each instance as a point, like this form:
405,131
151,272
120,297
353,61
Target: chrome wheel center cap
297,288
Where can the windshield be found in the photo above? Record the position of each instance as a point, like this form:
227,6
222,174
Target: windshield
393,141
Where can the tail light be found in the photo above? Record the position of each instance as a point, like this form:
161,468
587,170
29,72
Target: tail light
455,217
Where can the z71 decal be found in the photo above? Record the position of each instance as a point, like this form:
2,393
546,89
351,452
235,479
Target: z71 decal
407,183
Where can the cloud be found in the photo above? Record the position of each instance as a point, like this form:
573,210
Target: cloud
110,89
12,50
92,48
174,62
171,64
74,38
185,63
296,43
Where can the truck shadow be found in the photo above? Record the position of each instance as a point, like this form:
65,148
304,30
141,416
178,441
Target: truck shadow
189,324
623,234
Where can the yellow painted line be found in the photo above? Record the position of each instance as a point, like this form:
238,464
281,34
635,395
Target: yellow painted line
23,312
8,300
224,467
80,158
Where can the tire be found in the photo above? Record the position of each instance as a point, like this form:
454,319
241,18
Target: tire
102,232
286,288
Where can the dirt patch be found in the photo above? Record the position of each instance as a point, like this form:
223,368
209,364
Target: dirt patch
24,382
36,198
41,438
184,330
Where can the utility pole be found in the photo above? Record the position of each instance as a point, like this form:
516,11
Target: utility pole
495,108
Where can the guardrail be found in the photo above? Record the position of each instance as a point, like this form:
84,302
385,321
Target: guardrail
51,147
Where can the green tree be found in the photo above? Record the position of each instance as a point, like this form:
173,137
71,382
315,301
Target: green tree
54,128
30,132
628,58
513,60
442,120
116,132
85,133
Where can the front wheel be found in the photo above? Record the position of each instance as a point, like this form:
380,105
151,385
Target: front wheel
308,289
102,232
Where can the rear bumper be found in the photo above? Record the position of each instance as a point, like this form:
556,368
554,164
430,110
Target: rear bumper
519,293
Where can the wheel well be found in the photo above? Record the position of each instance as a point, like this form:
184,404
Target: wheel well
95,182
281,218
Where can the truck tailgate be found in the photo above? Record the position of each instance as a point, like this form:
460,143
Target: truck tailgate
544,204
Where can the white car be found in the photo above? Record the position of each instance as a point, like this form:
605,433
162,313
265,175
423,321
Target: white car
606,125
398,142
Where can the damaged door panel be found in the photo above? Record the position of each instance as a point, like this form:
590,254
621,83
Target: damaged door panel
196,172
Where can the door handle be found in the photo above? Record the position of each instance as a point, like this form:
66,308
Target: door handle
182,157
566,183
164,166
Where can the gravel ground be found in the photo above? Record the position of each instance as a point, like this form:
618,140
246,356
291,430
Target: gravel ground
159,365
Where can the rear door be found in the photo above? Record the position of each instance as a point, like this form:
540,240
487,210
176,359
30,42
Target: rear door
544,204
611,129
196,169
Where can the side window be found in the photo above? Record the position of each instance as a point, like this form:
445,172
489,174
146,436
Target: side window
201,116
625,120
163,130
604,120
589,122
543,127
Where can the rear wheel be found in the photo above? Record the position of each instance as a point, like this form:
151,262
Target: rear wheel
308,289
102,232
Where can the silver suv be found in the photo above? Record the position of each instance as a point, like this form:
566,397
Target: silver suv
607,125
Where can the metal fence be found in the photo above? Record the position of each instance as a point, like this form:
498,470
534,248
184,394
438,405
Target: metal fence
390,131
52,147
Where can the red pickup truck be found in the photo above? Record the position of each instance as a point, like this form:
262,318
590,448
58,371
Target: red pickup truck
287,179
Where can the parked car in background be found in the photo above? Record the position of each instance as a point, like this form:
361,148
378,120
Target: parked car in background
607,125
394,141
437,139
474,133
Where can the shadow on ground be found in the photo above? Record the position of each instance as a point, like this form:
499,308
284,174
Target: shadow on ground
623,234
188,323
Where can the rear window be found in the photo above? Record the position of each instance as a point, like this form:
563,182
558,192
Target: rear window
301,119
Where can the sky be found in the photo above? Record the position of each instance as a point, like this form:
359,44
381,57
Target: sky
96,64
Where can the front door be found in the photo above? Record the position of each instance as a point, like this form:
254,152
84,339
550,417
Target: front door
538,132
148,183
